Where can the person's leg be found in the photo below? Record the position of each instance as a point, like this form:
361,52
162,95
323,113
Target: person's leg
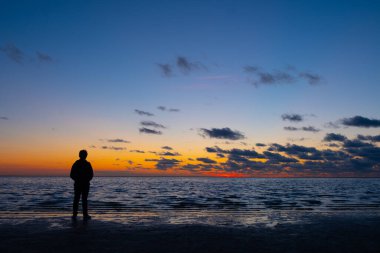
77,193
85,190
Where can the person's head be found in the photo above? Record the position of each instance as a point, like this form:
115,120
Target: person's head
83,154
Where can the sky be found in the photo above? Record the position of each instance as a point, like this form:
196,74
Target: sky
191,88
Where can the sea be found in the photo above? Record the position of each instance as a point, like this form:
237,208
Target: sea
192,200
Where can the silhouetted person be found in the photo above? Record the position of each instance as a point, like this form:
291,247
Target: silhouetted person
81,173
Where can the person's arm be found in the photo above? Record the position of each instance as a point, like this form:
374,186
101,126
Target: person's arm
73,173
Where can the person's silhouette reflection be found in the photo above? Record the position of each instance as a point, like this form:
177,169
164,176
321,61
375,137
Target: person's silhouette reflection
81,173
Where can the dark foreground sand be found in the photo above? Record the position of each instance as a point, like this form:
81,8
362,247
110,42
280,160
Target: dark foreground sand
320,234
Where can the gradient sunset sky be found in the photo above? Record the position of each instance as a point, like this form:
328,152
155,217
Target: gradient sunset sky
198,88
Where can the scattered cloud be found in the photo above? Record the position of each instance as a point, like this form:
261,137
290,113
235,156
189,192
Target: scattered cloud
42,57
311,78
164,164
306,129
13,52
164,108
166,69
260,145
4,118
332,145
275,158
186,66
168,153
221,133
206,160
290,128
143,113
375,138
137,151
151,124
167,148
249,153
113,148
334,137
360,121
183,64
292,117
118,140
258,76
310,129
149,131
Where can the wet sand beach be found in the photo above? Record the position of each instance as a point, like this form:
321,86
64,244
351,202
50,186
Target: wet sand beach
337,233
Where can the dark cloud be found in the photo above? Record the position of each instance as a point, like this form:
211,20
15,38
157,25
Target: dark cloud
191,167
258,77
151,124
44,57
4,118
277,158
244,152
302,152
13,53
307,129
268,78
151,160
235,151
164,164
149,131
310,129
118,140
186,66
359,121
182,64
167,148
354,156
364,155
113,148
168,153
260,144
137,151
292,117
163,108
213,149
222,133
311,78
290,128
334,137
206,160
332,145
356,144
144,113
375,138
166,69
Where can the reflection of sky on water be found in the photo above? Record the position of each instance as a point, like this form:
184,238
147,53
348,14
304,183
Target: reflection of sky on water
191,200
